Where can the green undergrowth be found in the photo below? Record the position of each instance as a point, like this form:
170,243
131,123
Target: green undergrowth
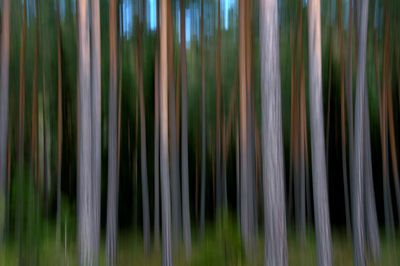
221,245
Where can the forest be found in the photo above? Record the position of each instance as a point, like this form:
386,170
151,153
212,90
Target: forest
199,132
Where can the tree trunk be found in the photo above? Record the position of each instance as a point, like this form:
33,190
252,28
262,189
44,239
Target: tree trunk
247,185
203,125
164,157
143,149
320,188
59,125
174,160
85,232
343,121
112,198
358,171
96,123
272,143
187,238
218,111
5,59
156,152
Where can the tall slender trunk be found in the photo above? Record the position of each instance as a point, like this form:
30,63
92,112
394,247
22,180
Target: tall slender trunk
164,157
112,198
247,191
184,138
34,127
218,109
96,123
174,160
392,141
359,164
343,121
238,179
157,152
272,143
59,125
5,59
21,102
203,125
320,187
349,90
383,115
85,232
143,149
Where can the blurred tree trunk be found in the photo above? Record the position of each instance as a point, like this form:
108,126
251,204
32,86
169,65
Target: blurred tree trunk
358,171
96,123
143,150
5,59
59,124
34,144
174,160
203,125
19,216
247,189
349,90
272,143
112,198
164,157
320,188
343,120
390,131
157,150
84,145
218,111
383,115
21,102
184,138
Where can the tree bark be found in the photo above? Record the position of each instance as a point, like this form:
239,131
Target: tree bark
358,171
247,183
4,91
187,238
174,160
320,188
143,149
59,125
272,143
85,232
218,111
203,125
164,157
112,198
96,123
157,152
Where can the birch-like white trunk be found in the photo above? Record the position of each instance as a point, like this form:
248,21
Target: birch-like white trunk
96,123
320,188
85,197
272,143
359,135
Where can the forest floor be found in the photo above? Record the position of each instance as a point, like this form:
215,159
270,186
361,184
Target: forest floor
221,245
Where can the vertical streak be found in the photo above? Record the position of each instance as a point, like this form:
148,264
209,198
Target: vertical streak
320,189
4,79
84,136
164,157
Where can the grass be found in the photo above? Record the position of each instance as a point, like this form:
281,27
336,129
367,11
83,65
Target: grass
221,245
